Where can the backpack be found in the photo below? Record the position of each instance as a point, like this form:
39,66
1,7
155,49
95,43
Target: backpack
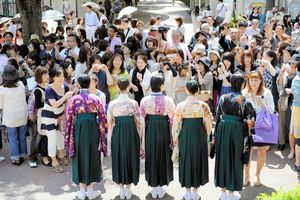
31,102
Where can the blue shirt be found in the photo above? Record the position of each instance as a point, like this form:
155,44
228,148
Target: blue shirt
296,90
91,19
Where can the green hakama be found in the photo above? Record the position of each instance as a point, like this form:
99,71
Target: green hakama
125,149
86,165
193,153
229,151
158,163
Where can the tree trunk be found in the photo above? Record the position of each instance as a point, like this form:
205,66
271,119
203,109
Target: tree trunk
269,4
31,17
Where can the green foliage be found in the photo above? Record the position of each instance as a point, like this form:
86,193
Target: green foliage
234,20
293,194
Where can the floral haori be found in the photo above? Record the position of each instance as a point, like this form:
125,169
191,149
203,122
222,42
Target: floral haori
84,103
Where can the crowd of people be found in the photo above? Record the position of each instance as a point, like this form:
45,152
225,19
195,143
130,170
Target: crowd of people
95,88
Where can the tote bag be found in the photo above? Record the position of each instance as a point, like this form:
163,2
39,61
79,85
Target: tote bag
268,136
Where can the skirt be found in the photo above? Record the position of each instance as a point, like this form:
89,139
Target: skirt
295,125
125,147
229,152
86,165
193,153
158,163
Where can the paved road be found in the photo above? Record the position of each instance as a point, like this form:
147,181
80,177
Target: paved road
24,183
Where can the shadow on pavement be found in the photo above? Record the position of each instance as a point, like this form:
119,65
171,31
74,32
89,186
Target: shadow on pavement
255,191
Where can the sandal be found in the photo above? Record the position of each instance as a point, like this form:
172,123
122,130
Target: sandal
57,168
246,184
291,155
257,182
47,164
63,161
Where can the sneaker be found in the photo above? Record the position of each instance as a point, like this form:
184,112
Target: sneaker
232,196
21,159
80,195
122,193
32,163
16,162
291,155
223,196
160,192
2,158
195,195
188,196
128,194
93,194
154,193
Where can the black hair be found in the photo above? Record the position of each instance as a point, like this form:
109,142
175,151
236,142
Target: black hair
230,57
237,81
72,61
156,82
23,50
64,65
192,86
114,28
60,29
106,57
14,63
123,84
84,81
55,72
102,45
49,38
272,54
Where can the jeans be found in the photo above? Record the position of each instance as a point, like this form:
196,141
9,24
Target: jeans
17,142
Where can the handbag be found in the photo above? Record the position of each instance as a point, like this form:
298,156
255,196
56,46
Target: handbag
263,119
268,136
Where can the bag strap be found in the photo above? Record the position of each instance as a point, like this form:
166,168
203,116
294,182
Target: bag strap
221,9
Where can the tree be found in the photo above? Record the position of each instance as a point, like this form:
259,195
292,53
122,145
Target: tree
31,17
269,4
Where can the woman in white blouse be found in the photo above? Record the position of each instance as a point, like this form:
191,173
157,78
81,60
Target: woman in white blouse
260,97
83,57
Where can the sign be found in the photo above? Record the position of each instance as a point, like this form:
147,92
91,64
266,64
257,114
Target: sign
250,4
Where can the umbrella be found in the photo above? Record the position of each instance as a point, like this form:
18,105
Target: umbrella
92,4
127,11
17,16
4,19
52,14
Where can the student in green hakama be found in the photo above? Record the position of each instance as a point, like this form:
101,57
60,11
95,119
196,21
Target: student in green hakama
86,126
234,116
192,125
158,111
124,135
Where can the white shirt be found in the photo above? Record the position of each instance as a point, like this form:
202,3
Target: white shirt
80,68
102,17
250,32
63,53
128,32
91,19
14,106
220,10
